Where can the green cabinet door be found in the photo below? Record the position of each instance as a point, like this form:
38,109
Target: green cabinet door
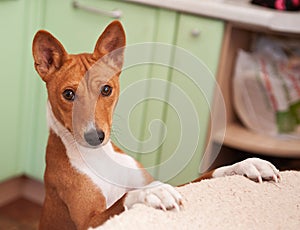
33,128
152,127
11,59
189,96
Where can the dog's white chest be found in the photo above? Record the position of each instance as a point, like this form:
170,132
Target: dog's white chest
113,173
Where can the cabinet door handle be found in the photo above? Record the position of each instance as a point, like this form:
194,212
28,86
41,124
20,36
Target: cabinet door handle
113,14
195,32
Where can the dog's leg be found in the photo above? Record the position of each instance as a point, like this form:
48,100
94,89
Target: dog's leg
55,215
253,168
156,195
97,219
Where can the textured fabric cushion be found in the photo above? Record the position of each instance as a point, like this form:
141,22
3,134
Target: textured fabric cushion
232,202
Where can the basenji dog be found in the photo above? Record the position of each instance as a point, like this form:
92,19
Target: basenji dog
76,196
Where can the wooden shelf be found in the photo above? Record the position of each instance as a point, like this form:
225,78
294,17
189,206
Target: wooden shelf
239,137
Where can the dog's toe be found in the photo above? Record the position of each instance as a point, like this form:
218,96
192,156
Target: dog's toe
257,169
157,195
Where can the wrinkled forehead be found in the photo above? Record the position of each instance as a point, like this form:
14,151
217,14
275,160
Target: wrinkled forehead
101,72
95,77
85,73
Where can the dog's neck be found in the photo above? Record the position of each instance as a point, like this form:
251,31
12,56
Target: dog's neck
112,172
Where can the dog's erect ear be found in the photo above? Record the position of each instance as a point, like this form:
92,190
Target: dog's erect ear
48,53
113,38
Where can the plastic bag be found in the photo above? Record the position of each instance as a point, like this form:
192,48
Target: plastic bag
266,88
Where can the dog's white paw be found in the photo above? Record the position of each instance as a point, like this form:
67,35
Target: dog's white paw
157,195
253,168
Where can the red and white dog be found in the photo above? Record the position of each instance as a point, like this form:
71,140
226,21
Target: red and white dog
76,196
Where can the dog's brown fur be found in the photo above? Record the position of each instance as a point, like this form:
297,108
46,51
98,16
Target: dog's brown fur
72,200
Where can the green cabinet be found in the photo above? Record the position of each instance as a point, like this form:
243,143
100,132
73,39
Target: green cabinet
19,113
153,119
192,89
11,24
184,107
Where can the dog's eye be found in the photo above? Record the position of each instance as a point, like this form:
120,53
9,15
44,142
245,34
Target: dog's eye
69,95
106,90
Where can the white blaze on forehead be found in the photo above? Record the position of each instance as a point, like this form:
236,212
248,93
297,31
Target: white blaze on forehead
90,126
102,71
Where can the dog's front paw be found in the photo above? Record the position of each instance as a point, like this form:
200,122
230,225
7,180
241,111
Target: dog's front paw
253,168
157,195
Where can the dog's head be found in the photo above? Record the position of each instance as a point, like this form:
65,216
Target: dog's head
83,89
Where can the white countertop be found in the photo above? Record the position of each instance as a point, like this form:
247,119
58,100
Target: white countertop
241,11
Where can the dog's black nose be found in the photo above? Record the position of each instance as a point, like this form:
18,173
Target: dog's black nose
94,137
